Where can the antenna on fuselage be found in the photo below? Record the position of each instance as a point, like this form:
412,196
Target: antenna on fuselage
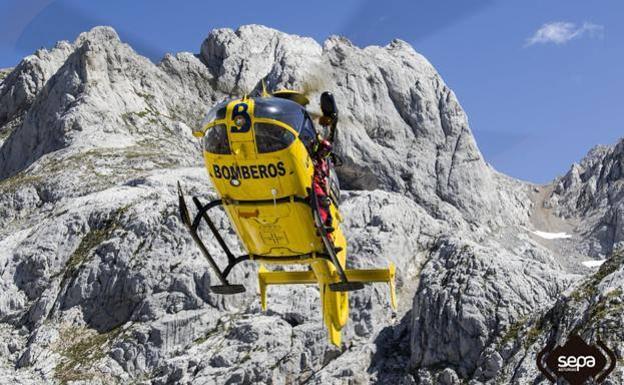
264,89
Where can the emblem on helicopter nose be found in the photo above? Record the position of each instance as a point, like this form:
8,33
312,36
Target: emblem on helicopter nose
241,118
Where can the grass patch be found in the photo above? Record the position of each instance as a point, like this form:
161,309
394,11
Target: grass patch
532,335
90,241
146,97
93,239
589,288
219,328
513,331
607,306
80,349
4,134
18,180
525,329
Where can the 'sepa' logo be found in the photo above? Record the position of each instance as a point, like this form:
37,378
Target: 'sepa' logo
576,361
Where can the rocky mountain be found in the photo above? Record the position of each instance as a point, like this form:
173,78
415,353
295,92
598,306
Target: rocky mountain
592,309
593,190
102,284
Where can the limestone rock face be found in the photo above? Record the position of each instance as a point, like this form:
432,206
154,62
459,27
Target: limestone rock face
592,193
100,282
20,85
593,310
100,97
470,294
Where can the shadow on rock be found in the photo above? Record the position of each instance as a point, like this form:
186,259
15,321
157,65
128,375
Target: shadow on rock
391,360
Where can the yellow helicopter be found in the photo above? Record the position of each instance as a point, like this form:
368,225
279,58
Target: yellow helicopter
261,154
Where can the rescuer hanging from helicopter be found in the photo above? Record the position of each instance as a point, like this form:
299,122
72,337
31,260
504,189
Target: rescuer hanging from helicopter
322,158
320,182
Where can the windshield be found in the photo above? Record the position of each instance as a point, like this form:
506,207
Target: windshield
216,112
307,134
280,109
270,137
216,140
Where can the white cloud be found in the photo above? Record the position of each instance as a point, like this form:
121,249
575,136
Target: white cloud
560,32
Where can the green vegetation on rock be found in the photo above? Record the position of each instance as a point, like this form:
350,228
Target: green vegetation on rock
90,241
80,349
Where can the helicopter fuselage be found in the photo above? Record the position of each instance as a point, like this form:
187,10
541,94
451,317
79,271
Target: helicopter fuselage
259,155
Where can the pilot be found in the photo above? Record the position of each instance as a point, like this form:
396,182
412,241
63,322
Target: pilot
320,183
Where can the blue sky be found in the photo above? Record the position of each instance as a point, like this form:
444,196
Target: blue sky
540,80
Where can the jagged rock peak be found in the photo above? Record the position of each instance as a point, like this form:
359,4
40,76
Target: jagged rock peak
601,162
93,94
19,87
98,34
240,59
400,124
593,188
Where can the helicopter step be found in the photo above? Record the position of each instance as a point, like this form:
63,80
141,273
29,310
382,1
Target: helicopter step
346,286
228,289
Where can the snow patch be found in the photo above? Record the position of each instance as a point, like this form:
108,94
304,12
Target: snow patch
546,235
593,263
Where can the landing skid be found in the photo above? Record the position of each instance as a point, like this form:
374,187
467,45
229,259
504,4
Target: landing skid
228,289
225,286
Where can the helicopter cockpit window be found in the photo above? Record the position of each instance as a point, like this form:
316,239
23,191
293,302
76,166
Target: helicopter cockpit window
270,137
280,109
307,133
216,112
216,140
